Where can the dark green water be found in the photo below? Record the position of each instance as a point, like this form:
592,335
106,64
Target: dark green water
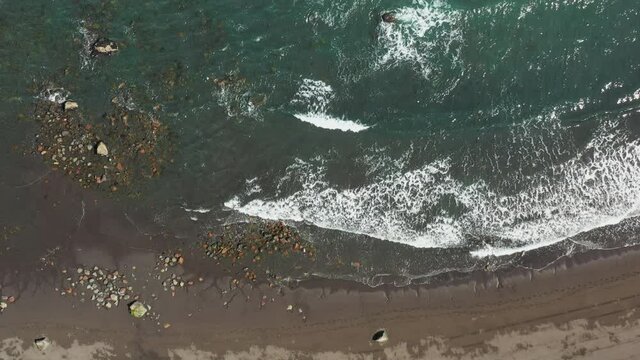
512,121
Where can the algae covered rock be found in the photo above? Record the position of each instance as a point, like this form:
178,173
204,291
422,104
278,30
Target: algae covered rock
137,309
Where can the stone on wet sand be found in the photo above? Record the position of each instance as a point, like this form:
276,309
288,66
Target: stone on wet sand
104,47
101,149
42,343
70,105
380,336
138,309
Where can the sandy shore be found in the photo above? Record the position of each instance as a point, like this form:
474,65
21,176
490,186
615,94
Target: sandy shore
579,307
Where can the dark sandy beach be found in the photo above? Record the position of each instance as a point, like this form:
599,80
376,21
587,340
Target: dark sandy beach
578,307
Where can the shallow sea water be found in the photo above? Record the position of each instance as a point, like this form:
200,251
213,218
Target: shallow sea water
467,129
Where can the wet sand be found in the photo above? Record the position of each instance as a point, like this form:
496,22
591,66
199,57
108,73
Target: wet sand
579,307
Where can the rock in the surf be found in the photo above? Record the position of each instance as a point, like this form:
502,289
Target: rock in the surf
104,46
389,17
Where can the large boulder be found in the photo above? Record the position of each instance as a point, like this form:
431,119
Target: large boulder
137,309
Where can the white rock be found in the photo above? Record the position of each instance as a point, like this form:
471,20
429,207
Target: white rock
70,105
42,343
101,149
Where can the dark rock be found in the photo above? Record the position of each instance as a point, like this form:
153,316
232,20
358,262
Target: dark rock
380,336
389,17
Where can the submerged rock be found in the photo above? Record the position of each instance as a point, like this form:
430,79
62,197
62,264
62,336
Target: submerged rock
138,309
42,343
70,105
104,46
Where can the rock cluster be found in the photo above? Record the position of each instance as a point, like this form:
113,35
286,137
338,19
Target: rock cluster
174,282
256,247
125,148
5,301
166,261
106,288
270,238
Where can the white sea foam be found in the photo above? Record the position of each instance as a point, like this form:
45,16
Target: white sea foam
629,98
57,95
252,187
332,123
315,97
422,32
199,210
598,186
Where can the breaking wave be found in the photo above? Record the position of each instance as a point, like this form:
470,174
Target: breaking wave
595,187
314,96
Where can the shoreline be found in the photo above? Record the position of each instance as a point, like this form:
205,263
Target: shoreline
454,315
587,292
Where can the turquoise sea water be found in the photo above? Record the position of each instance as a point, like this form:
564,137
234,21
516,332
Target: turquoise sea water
514,122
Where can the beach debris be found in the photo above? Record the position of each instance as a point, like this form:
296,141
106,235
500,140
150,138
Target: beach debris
106,288
380,336
137,309
70,105
104,46
101,149
290,308
389,17
138,148
42,343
